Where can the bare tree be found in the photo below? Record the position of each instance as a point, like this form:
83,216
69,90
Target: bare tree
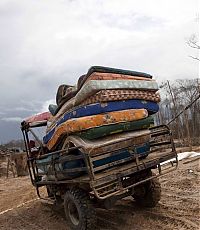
193,43
177,97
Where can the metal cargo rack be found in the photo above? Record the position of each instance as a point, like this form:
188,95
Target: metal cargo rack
113,178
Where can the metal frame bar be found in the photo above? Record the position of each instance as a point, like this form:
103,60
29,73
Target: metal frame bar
124,189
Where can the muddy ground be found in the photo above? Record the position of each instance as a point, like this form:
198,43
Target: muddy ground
178,209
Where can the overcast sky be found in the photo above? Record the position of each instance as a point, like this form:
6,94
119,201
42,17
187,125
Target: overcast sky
44,43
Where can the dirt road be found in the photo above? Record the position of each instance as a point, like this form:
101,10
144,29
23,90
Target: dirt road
178,209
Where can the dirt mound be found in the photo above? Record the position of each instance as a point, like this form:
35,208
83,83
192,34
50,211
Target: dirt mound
178,208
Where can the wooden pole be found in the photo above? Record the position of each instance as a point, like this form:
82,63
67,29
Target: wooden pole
188,130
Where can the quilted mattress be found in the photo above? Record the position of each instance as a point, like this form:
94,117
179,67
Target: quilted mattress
93,86
121,94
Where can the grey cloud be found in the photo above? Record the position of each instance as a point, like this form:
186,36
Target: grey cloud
46,44
12,119
132,21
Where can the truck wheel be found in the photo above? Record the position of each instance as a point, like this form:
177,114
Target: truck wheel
148,194
49,192
79,210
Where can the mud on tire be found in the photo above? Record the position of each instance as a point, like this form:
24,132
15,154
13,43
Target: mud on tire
79,211
149,193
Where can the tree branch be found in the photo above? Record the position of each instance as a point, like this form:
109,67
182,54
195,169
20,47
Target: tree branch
193,44
196,58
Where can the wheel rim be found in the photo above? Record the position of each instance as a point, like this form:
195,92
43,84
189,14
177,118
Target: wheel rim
73,213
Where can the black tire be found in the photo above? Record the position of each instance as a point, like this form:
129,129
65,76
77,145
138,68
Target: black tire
148,194
60,93
79,210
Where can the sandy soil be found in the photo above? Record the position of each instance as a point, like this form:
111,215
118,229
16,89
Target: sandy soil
178,208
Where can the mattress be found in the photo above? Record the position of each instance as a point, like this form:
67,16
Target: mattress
114,76
106,96
67,106
65,93
110,143
84,123
121,94
93,86
45,165
100,108
141,151
102,131
103,151
102,69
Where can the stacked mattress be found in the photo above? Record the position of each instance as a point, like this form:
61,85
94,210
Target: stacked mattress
104,102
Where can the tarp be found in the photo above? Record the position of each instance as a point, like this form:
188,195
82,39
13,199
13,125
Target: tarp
38,117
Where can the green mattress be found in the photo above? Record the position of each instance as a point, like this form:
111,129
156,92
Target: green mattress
116,128
103,69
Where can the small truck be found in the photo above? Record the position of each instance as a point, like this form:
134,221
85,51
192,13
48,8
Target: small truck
83,175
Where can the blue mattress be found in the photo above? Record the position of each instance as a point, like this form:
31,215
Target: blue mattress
100,108
141,151
46,164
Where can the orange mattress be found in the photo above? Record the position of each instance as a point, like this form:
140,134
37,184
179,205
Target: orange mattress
84,123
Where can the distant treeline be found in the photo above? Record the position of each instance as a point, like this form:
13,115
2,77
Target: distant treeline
13,144
176,96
